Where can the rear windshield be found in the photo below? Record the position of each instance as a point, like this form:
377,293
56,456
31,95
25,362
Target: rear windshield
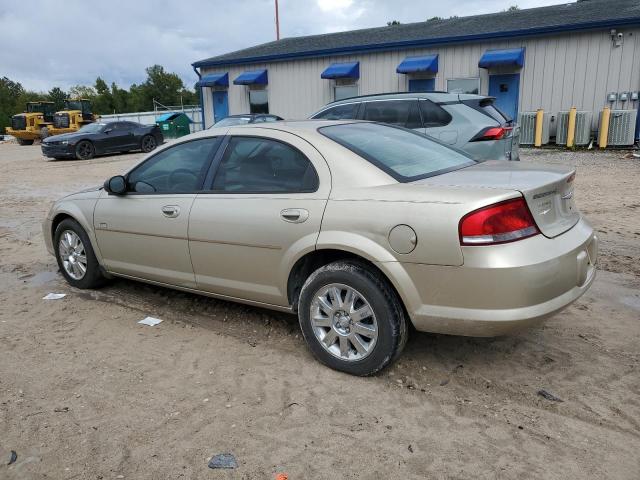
404,154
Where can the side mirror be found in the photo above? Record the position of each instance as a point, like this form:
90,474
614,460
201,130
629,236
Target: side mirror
116,185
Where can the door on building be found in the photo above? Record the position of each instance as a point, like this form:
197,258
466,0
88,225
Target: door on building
220,105
505,88
422,84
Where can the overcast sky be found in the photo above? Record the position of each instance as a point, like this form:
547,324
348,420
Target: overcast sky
63,43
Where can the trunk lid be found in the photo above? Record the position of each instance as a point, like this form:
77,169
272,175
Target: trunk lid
548,190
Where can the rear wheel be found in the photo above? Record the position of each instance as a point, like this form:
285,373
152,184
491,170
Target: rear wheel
22,141
85,150
75,256
148,143
351,318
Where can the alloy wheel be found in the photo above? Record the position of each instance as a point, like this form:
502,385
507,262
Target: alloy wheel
148,144
72,254
85,150
343,322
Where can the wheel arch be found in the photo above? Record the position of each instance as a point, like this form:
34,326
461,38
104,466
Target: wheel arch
74,213
315,259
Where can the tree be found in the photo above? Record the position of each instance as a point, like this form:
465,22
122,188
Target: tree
10,91
512,8
57,96
82,91
392,23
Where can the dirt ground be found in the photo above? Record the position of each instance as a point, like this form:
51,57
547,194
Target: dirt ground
87,393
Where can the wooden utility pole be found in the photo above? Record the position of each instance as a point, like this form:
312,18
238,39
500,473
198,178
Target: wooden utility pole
277,22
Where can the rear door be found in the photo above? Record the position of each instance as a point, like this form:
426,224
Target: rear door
263,210
439,123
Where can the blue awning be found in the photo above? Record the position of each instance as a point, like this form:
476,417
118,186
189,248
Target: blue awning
342,70
214,80
500,58
254,77
427,63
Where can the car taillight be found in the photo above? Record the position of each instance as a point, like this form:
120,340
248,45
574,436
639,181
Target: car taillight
499,223
492,133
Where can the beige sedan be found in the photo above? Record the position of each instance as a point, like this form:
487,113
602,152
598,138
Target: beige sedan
359,228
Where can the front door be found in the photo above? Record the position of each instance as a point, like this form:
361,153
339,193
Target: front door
422,84
220,105
505,88
144,232
118,136
264,210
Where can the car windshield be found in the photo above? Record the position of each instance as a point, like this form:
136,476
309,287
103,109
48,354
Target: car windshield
231,121
92,128
404,154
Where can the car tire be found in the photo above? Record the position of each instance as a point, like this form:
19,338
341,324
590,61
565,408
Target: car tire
22,141
73,251
372,342
148,143
85,150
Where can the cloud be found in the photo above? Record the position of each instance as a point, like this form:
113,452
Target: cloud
47,43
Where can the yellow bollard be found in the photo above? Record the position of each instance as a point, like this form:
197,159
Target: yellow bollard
604,127
571,127
539,122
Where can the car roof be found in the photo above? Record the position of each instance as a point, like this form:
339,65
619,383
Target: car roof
435,96
291,126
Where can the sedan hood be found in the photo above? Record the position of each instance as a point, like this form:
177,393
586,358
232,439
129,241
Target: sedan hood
63,136
548,190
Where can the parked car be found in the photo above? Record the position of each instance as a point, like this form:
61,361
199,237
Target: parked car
470,122
358,227
100,138
246,118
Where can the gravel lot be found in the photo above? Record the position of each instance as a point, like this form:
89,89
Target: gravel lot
87,393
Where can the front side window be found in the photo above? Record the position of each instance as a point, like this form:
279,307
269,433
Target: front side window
403,154
403,113
258,101
339,112
463,85
178,169
260,165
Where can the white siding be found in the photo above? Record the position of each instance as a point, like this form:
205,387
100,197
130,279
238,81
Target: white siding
561,71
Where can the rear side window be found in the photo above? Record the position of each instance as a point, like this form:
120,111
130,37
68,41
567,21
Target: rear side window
403,113
260,165
487,107
434,115
339,112
403,154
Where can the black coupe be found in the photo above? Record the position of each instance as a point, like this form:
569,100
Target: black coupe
100,138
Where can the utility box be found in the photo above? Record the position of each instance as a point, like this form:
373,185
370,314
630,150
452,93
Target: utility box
174,125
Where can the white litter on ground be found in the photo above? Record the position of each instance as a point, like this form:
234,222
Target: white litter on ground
151,321
54,296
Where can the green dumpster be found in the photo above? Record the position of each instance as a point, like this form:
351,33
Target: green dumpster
174,125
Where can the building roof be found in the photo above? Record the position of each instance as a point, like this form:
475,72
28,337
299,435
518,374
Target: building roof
581,15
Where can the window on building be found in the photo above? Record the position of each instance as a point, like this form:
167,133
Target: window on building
463,85
345,90
403,113
258,101
434,115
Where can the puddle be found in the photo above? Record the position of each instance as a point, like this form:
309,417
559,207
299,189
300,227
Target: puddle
43,278
633,302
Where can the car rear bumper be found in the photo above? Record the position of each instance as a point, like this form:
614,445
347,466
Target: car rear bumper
501,288
57,150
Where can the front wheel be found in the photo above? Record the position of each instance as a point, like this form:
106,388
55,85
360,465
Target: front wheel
85,150
148,143
351,318
75,256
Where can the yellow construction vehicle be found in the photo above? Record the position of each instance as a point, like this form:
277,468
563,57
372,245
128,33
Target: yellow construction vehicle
76,113
33,123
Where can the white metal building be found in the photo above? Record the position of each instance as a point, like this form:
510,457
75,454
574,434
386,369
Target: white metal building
584,54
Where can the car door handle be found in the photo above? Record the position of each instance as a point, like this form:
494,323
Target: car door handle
294,215
171,211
